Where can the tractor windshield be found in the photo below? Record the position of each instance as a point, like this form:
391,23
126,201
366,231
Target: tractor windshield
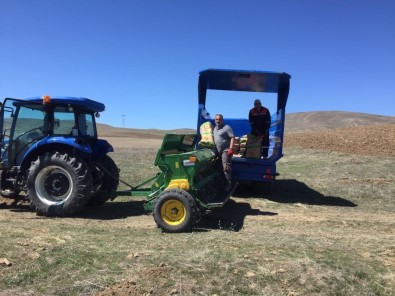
22,125
29,121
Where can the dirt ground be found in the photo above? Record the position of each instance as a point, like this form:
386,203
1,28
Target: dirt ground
374,140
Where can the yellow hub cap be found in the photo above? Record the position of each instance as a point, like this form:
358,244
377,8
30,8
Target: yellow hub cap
173,212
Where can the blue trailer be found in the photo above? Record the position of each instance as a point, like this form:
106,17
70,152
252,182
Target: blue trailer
260,172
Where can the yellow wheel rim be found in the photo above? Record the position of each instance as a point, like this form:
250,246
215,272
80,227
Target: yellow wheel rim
173,212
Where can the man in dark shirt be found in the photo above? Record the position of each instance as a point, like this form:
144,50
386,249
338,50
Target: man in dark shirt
260,120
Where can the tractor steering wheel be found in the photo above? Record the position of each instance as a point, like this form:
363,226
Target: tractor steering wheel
30,135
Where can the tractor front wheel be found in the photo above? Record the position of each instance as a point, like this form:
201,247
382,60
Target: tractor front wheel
175,211
58,185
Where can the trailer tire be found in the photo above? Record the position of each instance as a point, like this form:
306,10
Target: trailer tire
105,181
175,210
58,185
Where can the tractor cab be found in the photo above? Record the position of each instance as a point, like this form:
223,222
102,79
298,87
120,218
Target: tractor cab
28,124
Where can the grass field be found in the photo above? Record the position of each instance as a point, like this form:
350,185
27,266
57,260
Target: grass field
328,228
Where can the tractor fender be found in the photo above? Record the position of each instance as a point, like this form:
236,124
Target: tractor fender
101,148
68,144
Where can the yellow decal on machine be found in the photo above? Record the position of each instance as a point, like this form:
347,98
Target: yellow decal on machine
179,184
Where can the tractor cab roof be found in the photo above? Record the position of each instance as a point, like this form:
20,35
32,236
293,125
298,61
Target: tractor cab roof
82,103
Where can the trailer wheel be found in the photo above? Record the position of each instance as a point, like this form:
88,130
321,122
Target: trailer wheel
175,211
105,174
58,185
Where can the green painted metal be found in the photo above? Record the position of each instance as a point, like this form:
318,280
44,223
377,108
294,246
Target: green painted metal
195,171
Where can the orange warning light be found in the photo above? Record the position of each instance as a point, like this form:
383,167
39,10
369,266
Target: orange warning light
46,99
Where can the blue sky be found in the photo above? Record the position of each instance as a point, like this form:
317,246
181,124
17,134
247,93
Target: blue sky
142,58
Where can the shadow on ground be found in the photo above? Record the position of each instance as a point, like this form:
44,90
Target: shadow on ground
113,210
108,211
230,217
293,191
19,204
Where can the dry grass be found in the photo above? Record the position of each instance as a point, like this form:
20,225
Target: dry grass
327,229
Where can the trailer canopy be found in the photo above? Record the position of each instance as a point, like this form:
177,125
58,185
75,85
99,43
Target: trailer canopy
252,81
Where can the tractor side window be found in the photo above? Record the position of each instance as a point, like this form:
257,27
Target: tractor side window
64,121
85,125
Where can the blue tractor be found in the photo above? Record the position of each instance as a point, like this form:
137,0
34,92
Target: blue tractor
260,172
50,151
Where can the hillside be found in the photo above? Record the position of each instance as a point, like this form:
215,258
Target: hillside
105,130
373,140
295,123
349,132
322,120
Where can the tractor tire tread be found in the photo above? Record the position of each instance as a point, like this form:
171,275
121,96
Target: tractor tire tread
81,190
109,183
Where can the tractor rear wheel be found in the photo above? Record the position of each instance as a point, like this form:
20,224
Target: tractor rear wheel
58,185
175,211
105,174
